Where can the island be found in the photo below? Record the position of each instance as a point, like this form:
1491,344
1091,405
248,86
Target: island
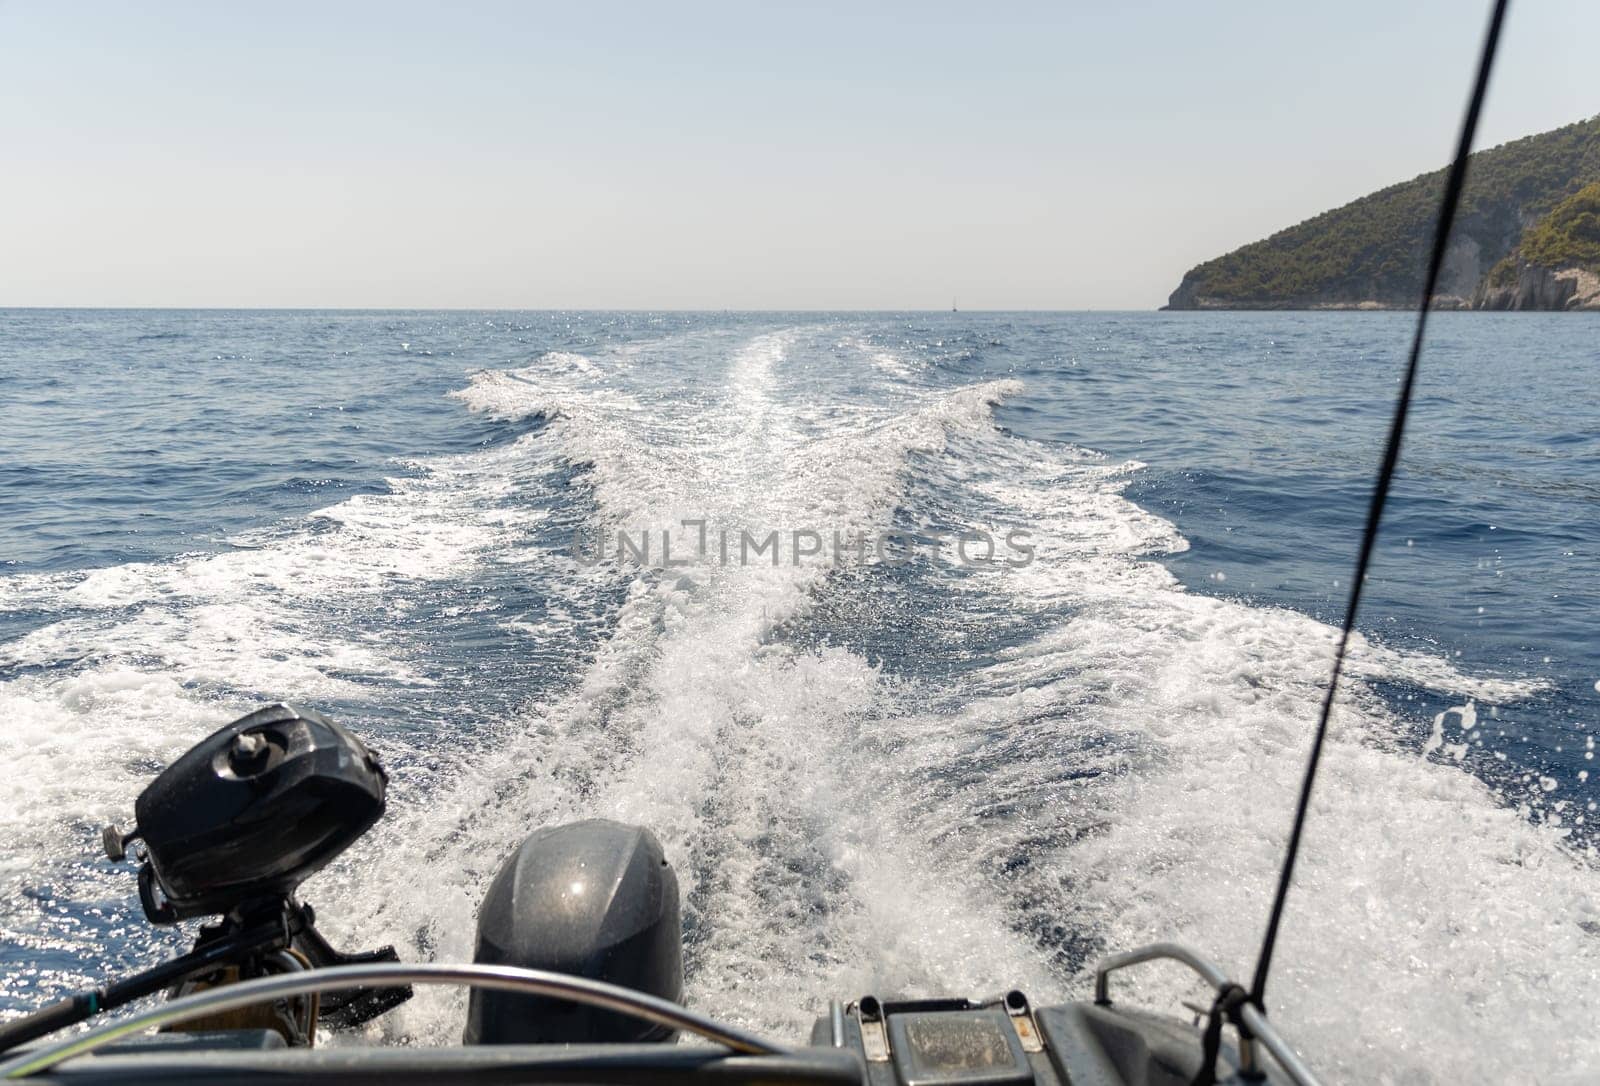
1527,236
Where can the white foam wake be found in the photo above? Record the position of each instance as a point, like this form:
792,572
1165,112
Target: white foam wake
1122,773
694,720
1434,932
146,658
1085,756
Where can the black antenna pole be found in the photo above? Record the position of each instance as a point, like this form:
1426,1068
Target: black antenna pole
1380,491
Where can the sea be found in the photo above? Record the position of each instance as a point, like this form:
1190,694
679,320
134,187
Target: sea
943,652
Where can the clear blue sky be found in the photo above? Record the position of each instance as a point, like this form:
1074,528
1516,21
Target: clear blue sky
1056,155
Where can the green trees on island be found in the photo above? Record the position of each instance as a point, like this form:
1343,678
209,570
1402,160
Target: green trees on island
1570,235
1373,251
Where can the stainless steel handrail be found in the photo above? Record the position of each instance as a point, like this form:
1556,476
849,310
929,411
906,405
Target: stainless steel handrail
506,978
1212,974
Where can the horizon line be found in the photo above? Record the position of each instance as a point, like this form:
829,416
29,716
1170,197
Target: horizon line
697,311
539,309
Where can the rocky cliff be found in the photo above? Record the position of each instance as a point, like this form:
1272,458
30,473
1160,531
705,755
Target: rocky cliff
1556,264
1370,254
1542,288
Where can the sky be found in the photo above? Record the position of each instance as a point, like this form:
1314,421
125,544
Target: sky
683,155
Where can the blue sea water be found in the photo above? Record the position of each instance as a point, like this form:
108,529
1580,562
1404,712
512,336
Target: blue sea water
913,775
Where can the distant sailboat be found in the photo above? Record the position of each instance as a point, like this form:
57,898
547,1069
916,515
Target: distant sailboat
952,305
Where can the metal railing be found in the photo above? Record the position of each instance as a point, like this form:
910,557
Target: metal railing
506,978
1255,1021
591,993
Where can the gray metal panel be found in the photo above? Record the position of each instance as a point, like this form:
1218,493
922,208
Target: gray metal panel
973,1047
1107,1046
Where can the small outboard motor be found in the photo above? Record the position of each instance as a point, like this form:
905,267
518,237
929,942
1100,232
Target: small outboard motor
251,812
230,830
596,899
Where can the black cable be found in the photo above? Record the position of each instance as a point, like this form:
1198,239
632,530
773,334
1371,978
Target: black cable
82,1006
1380,491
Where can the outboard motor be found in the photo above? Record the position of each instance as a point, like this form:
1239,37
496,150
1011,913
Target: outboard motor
596,899
250,813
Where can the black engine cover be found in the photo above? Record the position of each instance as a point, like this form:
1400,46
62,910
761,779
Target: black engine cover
596,899
254,809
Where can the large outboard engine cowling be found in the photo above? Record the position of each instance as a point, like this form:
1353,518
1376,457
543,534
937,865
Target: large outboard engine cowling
596,899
